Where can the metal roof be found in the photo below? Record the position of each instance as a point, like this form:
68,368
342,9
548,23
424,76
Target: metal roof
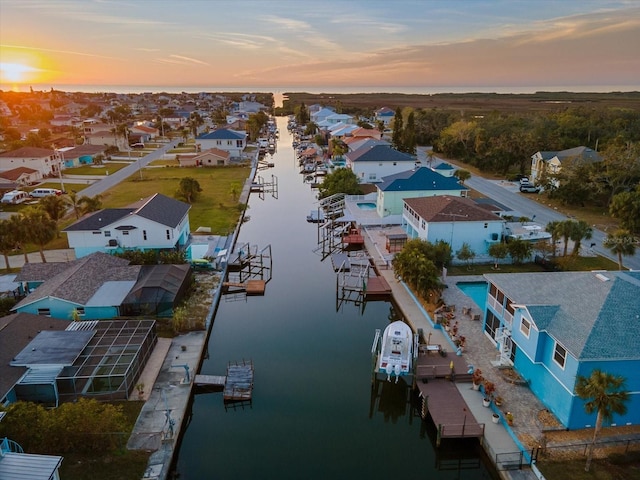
53,348
27,466
110,294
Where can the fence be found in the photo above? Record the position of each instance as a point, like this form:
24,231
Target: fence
623,445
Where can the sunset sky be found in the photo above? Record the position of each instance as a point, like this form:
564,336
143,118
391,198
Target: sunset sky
299,43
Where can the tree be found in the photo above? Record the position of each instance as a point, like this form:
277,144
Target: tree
620,243
234,190
56,208
343,180
90,204
625,207
416,269
40,228
580,230
498,251
396,137
604,393
7,241
73,201
188,189
565,230
462,175
20,234
519,250
409,135
466,254
555,229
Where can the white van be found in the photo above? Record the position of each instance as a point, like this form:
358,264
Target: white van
45,192
15,197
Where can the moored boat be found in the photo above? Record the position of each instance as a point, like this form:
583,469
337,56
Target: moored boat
396,354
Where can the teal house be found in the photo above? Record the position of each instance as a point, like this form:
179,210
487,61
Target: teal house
555,326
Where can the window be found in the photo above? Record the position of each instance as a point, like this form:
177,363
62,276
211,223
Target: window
45,312
125,232
168,234
80,310
107,233
560,355
144,234
525,327
97,233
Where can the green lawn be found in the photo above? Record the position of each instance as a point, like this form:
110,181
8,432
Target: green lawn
615,467
96,169
215,206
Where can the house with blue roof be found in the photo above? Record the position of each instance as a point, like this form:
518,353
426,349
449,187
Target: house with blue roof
157,222
376,159
555,326
445,169
420,182
384,115
231,141
318,116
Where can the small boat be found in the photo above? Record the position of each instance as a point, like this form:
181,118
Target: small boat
396,353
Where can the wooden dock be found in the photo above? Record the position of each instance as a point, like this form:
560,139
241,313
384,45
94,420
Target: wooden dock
250,287
377,287
239,384
448,410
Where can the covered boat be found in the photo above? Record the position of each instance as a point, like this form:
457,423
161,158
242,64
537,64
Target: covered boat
396,353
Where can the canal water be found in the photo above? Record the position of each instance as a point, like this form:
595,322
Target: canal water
314,414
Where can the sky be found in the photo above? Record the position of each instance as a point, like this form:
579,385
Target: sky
299,43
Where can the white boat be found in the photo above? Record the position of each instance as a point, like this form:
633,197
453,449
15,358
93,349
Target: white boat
396,354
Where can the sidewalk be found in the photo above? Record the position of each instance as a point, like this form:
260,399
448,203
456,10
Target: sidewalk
499,439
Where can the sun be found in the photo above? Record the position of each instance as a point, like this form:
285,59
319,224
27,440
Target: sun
15,72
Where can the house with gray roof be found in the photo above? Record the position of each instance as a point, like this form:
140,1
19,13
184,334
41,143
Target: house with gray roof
551,163
157,222
455,220
419,182
231,141
375,160
44,160
555,326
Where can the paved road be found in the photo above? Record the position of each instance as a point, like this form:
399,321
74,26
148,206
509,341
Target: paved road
508,195
112,180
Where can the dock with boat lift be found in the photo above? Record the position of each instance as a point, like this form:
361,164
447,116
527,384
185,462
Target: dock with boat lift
236,385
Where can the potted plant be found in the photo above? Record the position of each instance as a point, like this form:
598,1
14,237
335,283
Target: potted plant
509,417
140,389
477,378
454,329
489,388
498,401
495,418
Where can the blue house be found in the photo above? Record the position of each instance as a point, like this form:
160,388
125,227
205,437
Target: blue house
231,141
555,326
101,286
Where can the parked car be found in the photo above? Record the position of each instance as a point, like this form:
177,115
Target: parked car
14,197
45,192
529,188
524,180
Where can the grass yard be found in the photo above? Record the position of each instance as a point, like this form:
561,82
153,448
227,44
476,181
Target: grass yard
96,169
165,162
215,206
618,466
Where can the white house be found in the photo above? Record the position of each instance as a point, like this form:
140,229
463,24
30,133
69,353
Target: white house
101,134
320,115
376,159
156,222
44,160
225,139
454,220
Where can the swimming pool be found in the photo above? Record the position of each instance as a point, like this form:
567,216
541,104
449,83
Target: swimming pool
476,291
366,205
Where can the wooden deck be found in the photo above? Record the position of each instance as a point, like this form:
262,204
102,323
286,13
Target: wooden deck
448,410
377,287
239,384
353,238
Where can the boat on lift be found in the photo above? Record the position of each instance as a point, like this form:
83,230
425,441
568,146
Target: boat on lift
397,351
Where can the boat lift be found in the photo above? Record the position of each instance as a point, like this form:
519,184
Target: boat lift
261,187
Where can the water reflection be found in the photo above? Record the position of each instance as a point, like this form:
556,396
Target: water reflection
315,413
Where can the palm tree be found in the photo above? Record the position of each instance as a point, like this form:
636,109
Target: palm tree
55,206
462,175
604,393
621,242
40,228
19,232
580,231
554,228
7,241
90,204
74,201
565,229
